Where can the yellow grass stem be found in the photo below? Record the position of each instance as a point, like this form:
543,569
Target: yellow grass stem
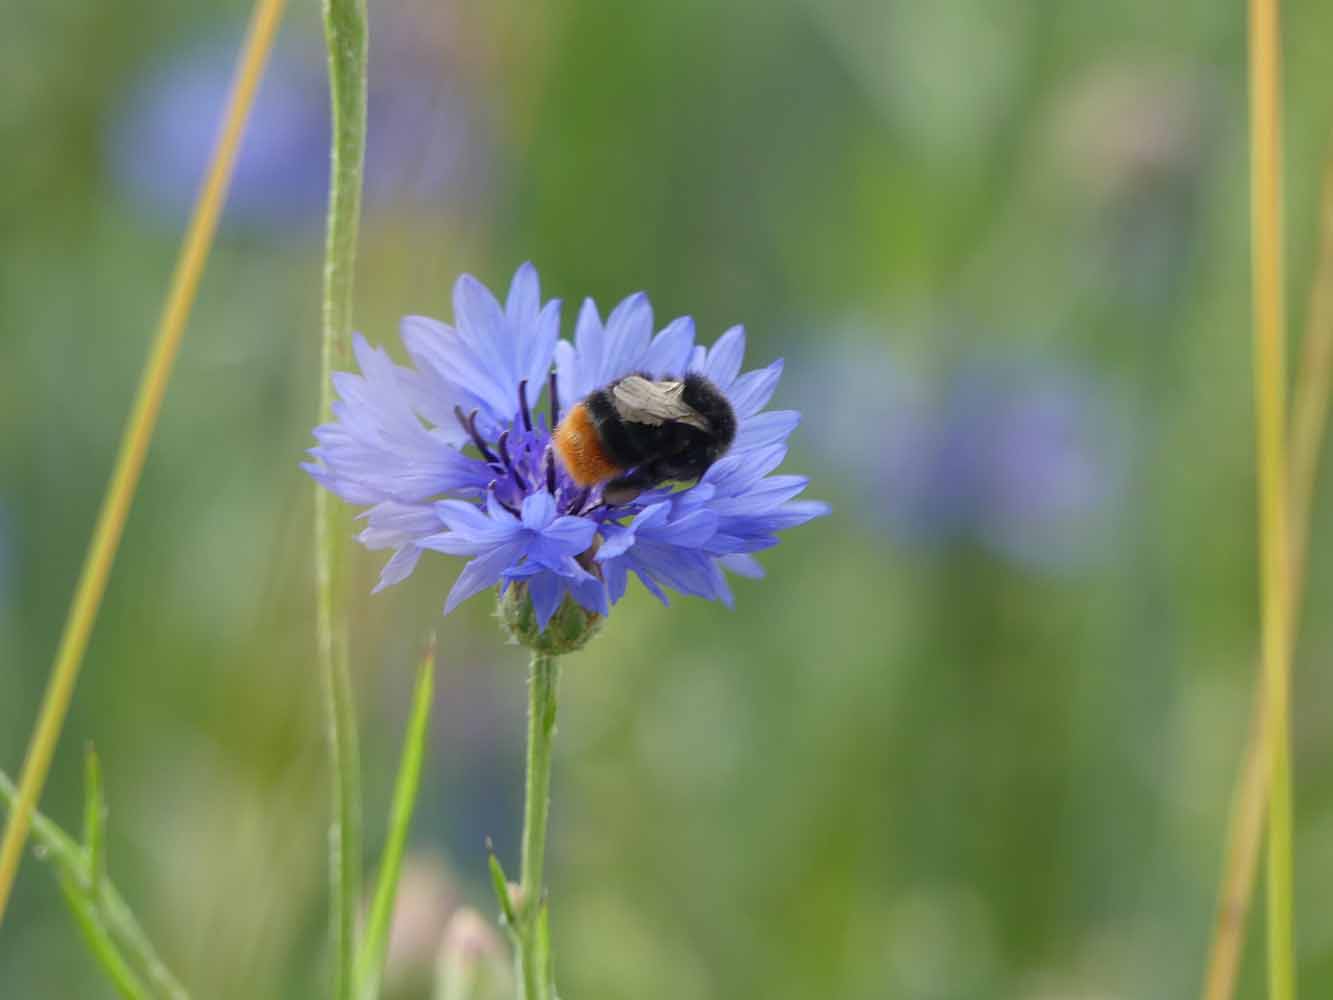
1309,421
134,445
1270,432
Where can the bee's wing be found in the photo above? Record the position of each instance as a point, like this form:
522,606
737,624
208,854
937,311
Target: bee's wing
641,401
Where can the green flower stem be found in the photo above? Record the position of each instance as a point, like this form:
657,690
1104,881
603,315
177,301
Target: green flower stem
345,32
533,952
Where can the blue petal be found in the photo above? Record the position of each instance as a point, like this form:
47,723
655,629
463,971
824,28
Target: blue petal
734,473
764,429
546,591
647,580
480,321
669,353
571,535
568,379
690,531
686,570
459,515
449,371
591,593
377,448
398,568
617,580
497,511
763,495
470,530
537,347
480,573
724,359
590,349
524,301
628,332
721,589
749,393
538,510
618,539
743,565
390,524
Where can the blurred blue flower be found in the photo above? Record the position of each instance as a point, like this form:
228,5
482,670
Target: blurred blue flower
398,433
1023,456
423,143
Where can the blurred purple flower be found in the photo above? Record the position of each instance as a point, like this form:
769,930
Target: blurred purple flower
424,142
1024,457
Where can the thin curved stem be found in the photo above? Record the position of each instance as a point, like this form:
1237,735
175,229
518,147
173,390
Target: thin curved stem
345,32
138,435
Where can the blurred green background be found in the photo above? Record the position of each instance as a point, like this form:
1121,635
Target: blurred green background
975,734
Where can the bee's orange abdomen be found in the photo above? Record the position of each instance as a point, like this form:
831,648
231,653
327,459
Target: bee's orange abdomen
580,450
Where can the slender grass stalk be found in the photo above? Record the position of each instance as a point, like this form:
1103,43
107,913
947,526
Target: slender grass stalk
1270,427
104,949
1314,379
1309,422
532,931
108,906
345,32
134,445
375,944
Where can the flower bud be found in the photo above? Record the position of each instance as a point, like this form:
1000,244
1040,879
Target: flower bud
569,629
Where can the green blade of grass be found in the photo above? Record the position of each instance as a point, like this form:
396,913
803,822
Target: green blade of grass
500,886
71,862
375,944
99,941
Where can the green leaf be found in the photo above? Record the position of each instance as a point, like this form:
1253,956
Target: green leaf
373,948
501,886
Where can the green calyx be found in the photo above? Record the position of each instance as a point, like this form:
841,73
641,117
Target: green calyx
569,629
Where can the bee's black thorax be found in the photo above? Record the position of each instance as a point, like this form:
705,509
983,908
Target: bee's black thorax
623,442
709,401
659,451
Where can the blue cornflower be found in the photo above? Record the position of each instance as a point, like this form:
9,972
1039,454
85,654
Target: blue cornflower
1022,455
451,454
427,145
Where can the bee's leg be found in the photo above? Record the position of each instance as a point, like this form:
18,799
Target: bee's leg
626,489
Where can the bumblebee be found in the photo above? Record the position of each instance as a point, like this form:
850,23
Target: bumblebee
639,432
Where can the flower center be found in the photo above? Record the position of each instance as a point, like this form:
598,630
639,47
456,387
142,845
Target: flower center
524,462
